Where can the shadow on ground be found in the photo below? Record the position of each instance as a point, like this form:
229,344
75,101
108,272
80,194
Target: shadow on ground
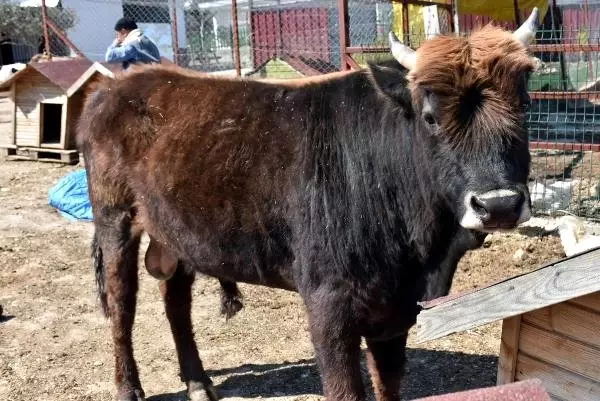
429,373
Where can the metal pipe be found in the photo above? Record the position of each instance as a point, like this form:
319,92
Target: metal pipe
455,17
236,38
45,24
61,35
344,33
175,39
517,13
405,27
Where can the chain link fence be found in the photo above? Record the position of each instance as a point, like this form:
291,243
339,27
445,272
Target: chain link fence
293,38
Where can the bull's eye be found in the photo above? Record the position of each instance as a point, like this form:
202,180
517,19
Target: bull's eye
429,119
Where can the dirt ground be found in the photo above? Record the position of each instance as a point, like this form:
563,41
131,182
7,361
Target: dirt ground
55,344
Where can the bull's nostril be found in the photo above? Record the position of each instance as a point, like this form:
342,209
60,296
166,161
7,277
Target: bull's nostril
478,206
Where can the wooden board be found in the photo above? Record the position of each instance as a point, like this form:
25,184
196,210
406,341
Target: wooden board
591,301
7,117
554,283
45,155
569,321
560,351
560,383
509,346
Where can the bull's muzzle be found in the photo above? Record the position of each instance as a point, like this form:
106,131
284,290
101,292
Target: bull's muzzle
502,209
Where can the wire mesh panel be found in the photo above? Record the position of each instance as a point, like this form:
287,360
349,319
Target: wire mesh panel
21,31
565,116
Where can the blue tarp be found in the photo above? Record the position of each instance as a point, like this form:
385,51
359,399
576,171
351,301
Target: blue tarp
70,196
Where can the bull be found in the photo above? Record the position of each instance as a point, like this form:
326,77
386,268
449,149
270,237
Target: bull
360,191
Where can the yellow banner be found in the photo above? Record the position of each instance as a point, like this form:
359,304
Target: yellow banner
501,10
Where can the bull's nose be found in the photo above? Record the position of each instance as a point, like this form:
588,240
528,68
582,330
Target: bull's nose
498,206
497,209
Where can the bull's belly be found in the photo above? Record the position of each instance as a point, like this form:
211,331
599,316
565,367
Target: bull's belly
270,276
253,258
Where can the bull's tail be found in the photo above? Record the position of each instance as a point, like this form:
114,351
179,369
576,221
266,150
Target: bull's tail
100,274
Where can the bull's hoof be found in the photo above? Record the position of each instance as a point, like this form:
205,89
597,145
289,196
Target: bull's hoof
132,395
200,392
230,306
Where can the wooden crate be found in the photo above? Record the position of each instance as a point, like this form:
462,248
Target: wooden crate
559,344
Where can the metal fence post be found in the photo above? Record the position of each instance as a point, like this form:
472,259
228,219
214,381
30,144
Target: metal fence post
236,38
344,32
46,36
174,33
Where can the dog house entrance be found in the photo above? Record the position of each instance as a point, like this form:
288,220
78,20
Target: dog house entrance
51,123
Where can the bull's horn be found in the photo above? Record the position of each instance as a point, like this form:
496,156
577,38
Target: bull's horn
404,54
526,32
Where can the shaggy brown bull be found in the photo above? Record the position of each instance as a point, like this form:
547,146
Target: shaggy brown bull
361,192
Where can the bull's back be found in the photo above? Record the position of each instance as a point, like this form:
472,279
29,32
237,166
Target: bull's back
206,161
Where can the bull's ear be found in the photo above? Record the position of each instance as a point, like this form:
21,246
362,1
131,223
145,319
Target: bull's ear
390,79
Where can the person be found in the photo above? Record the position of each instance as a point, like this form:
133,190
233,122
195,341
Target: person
131,46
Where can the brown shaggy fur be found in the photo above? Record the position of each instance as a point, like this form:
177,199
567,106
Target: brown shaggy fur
477,71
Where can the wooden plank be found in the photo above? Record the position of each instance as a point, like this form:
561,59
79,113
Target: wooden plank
559,382
561,351
507,361
13,137
45,155
569,321
6,118
63,123
554,283
591,301
50,150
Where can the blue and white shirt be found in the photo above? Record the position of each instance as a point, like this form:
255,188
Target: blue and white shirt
136,48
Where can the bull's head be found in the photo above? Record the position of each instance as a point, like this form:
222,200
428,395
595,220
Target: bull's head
470,95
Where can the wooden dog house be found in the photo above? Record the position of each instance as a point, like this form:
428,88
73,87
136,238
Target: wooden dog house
39,108
550,325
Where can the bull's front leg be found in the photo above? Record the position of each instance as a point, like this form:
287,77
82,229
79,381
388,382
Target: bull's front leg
337,348
386,360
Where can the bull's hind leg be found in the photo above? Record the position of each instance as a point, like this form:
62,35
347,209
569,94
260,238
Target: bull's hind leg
231,298
116,260
386,361
177,295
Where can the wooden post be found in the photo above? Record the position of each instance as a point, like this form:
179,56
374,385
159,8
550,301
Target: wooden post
236,38
509,346
175,39
45,26
344,33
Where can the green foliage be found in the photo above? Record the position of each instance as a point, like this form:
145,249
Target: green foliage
24,24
